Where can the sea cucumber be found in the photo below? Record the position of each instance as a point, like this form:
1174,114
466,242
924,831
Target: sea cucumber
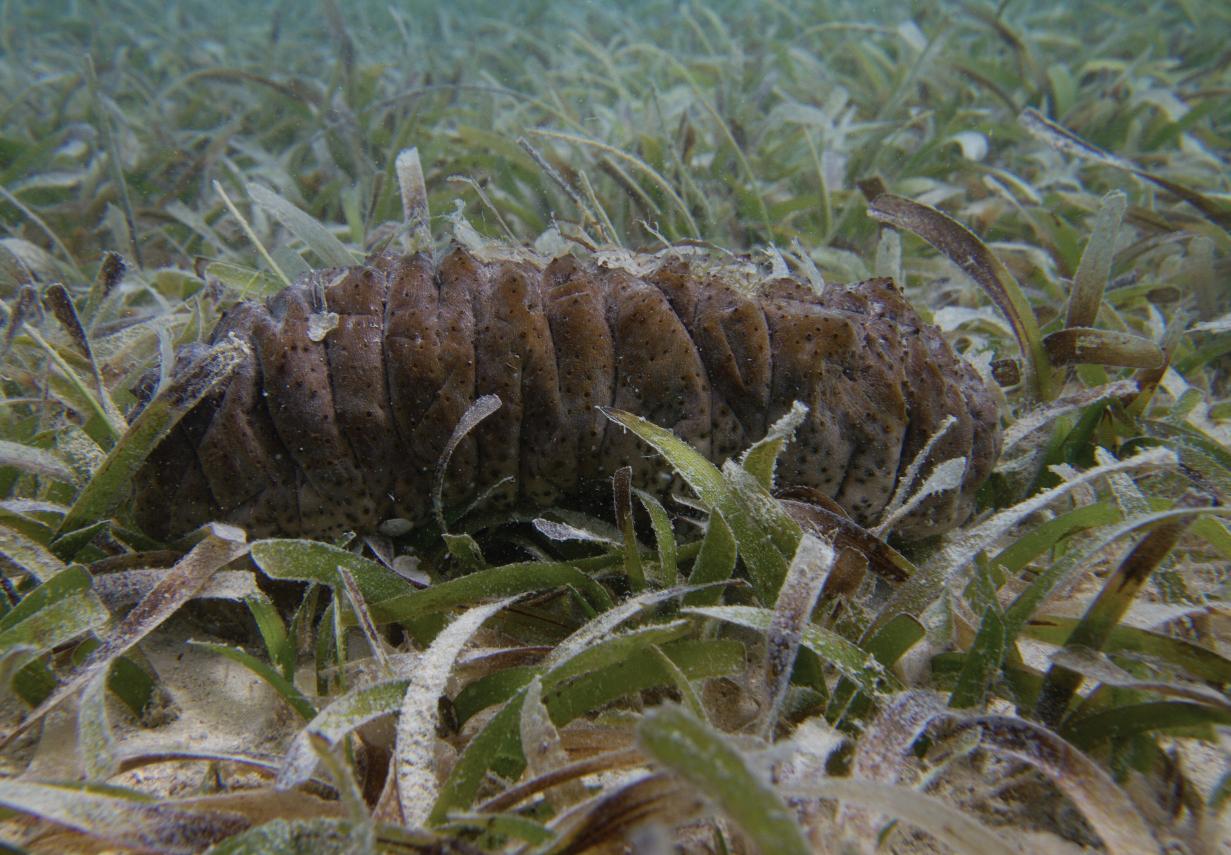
316,437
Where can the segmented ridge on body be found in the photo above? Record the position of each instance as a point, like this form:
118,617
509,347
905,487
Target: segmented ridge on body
313,438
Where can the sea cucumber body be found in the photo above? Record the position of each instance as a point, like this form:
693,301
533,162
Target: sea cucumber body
314,438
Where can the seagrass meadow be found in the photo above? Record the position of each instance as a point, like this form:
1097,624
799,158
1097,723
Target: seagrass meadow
725,662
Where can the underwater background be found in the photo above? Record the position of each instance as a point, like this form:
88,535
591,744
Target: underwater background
758,118
1049,183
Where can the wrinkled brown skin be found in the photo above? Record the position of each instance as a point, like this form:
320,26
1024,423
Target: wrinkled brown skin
317,438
